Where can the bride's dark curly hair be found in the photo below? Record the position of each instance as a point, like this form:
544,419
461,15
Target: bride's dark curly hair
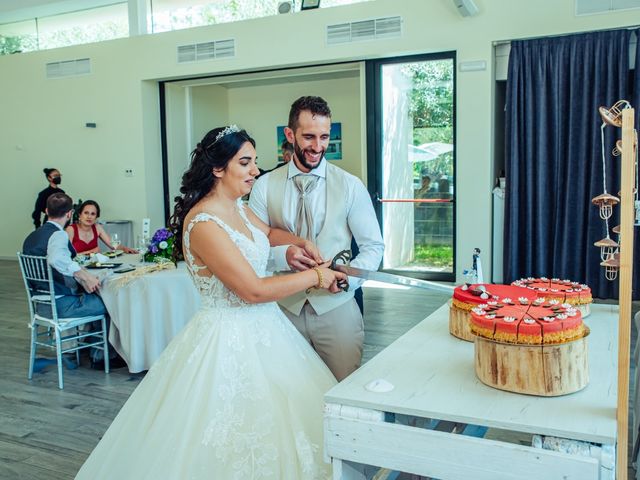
214,151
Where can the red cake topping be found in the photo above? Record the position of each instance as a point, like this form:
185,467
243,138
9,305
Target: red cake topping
563,290
474,294
528,322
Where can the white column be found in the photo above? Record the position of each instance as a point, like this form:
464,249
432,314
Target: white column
137,17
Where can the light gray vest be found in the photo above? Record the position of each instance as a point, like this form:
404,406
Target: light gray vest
334,236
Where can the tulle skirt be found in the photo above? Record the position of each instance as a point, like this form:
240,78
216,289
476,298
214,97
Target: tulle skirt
238,394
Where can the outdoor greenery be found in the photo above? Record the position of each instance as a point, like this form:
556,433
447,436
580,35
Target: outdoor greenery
434,255
17,44
431,109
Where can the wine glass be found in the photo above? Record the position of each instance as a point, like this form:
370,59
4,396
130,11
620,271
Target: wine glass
115,241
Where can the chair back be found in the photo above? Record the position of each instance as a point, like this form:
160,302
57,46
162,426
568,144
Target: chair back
38,281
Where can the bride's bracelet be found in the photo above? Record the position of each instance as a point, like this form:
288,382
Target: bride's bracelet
320,278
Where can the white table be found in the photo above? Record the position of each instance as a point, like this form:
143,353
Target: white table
148,312
433,374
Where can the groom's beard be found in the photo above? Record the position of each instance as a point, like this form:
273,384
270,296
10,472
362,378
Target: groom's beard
302,159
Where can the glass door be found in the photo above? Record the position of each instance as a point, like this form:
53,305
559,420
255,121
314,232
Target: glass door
413,148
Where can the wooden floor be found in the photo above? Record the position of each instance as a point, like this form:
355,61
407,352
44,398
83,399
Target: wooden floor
46,433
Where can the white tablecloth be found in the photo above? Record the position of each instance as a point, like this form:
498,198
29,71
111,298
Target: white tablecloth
148,312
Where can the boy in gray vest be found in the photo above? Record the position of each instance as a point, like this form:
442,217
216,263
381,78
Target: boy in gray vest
328,206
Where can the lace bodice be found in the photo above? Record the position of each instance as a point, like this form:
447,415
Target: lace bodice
212,291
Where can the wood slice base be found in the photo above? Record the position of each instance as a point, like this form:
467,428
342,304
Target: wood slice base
459,323
545,370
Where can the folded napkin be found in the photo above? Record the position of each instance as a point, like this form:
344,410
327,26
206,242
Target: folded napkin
100,258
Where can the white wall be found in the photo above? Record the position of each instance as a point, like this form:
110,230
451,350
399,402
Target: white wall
42,121
260,109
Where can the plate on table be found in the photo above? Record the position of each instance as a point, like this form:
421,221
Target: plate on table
103,265
113,254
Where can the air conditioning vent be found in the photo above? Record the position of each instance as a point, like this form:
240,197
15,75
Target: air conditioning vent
376,29
69,68
589,7
199,52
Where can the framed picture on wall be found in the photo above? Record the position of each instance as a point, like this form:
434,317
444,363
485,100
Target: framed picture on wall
334,149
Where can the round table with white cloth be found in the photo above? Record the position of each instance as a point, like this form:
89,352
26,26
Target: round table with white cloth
148,311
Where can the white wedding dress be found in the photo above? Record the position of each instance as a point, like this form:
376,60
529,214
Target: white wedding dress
238,394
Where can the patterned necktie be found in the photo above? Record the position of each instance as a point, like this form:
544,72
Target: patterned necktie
304,220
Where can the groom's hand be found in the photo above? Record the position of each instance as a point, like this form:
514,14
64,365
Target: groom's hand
298,259
311,250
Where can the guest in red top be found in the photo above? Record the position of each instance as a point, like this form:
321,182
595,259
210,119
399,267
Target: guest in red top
85,233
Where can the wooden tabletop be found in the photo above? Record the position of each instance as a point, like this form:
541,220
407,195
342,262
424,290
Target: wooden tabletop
433,376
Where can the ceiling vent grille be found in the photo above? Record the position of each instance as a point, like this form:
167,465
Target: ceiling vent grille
69,68
589,7
199,52
375,29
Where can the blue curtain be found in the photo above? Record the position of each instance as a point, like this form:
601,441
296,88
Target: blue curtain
553,158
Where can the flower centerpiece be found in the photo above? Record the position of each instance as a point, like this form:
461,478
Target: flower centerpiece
160,249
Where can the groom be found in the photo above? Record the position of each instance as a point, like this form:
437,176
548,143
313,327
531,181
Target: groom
327,205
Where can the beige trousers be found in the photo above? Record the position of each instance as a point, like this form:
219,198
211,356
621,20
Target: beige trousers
337,336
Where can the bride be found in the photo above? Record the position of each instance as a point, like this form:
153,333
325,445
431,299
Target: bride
238,394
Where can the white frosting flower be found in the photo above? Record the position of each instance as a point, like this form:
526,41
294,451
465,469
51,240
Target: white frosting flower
509,319
555,290
506,300
555,279
548,319
492,303
483,305
478,311
542,289
554,302
523,300
562,316
544,279
490,316
566,305
538,301
571,313
529,321
584,286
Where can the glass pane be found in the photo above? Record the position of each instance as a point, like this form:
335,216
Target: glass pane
169,15
86,26
18,37
417,163
175,15
339,3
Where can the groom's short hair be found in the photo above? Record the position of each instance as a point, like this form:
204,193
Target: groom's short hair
315,105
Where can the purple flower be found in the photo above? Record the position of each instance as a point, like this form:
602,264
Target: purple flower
161,235
154,249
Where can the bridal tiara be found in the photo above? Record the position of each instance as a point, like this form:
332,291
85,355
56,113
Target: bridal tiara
226,131
223,133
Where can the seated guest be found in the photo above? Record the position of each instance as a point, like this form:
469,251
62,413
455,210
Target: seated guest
85,233
71,301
